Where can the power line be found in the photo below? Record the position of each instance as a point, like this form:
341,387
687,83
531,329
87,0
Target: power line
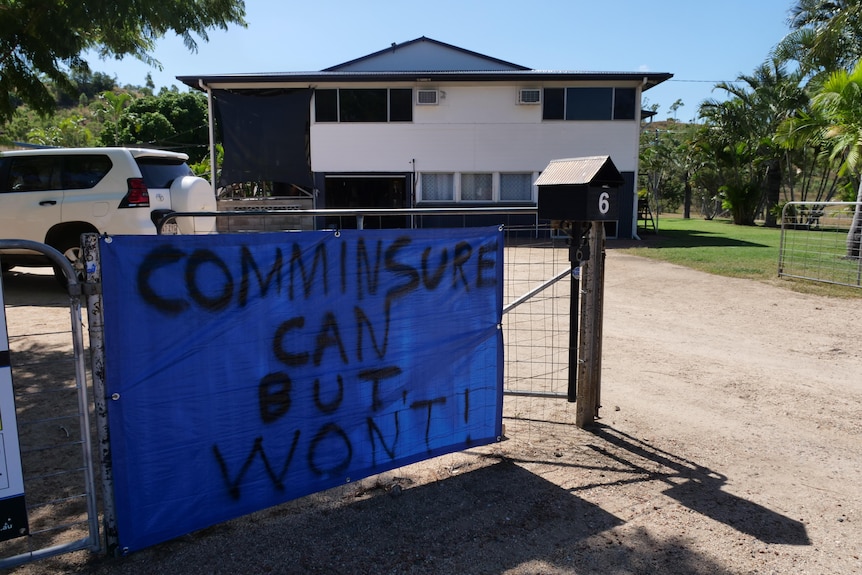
709,81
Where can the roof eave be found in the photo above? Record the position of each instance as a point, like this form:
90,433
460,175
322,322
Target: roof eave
647,80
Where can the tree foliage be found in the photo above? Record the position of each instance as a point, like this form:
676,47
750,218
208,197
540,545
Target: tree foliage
760,102
790,130
839,103
42,41
172,120
826,35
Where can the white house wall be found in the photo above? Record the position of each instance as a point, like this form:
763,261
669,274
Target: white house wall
473,129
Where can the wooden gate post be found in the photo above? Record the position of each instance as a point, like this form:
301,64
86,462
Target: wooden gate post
590,353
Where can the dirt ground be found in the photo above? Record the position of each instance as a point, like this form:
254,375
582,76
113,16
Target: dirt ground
730,442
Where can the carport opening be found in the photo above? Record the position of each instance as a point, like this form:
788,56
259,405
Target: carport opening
355,192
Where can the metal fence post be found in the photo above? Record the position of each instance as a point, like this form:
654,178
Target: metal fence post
574,302
96,321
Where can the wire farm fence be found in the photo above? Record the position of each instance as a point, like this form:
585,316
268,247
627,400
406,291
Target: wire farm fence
45,362
817,244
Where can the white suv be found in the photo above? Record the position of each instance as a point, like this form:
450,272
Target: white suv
54,195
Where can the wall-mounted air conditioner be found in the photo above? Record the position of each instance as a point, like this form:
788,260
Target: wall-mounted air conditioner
529,96
427,97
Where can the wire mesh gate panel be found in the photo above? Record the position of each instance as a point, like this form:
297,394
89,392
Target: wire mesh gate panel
53,420
537,280
817,243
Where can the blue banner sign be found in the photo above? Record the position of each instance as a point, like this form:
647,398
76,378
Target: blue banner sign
246,370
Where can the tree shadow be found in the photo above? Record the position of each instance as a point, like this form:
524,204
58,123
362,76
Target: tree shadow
683,239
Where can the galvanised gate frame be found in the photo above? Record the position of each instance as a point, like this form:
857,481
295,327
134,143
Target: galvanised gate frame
536,333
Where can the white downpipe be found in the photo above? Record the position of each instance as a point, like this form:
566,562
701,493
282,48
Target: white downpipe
211,134
634,208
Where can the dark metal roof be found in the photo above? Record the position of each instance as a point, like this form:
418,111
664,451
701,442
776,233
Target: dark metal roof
589,170
347,73
649,79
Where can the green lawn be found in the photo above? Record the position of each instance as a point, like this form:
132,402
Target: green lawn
721,248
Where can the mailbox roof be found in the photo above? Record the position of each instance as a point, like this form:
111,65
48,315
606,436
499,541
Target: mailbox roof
589,170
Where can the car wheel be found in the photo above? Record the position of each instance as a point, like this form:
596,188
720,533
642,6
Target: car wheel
70,248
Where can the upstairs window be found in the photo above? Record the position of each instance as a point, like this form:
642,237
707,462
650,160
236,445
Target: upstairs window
624,103
364,105
326,105
589,103
554,107
582,104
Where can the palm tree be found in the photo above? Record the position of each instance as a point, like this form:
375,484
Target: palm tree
761,102
728,136
826,35
813,174
839,103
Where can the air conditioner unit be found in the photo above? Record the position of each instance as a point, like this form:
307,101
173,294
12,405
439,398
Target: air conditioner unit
427,97
530,96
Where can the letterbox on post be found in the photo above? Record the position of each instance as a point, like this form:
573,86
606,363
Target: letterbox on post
578,195
580,190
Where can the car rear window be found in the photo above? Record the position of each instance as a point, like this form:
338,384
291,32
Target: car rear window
85,171
161,172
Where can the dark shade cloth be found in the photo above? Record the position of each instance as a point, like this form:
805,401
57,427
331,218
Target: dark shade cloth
265,135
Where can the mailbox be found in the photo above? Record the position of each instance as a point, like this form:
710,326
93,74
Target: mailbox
580,190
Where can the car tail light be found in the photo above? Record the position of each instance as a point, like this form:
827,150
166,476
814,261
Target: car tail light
138,195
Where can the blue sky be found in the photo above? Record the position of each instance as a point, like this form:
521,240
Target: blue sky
700,43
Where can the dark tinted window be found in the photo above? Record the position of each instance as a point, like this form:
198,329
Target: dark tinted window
32,174
326,105
84,172
362,105
624,104
589,103
401,105
161,172
554,104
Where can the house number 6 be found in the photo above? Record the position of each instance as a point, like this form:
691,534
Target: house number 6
604,204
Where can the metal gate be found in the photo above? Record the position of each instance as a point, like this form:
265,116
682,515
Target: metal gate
819,242
48,378
62,496
536,313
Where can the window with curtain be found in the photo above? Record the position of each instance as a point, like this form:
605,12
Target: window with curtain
516,187
438,187
476,188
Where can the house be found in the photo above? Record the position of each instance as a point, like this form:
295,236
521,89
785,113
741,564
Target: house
426,124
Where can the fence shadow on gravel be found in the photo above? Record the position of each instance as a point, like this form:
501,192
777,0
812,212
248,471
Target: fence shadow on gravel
698,488
493,519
